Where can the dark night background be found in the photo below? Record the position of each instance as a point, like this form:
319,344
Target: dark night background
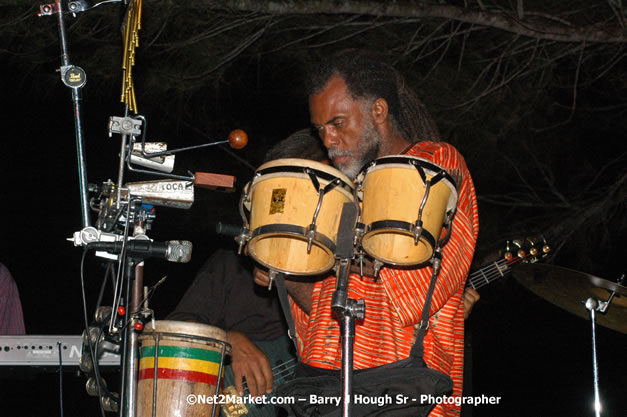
540,165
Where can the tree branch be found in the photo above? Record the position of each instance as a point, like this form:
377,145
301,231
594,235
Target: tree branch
550,30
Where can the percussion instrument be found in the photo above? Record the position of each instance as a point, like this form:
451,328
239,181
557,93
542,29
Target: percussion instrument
568,290
405,203
184,359
294,208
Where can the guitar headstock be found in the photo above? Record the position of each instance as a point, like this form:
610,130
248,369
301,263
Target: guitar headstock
528,250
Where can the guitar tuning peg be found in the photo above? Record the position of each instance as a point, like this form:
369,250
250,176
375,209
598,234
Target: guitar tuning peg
508,251
521,253
546,249
533,251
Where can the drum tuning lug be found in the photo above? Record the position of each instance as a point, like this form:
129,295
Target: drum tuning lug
417,231
271,275
311,234
377,267
359,231
361,264
242,239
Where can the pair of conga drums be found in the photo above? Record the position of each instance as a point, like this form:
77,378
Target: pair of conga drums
292,207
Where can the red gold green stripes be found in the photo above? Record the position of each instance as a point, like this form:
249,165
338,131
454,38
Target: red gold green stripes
180,363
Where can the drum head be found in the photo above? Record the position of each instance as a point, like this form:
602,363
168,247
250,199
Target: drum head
185,328
297,162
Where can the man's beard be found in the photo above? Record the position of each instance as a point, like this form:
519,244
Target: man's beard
367,150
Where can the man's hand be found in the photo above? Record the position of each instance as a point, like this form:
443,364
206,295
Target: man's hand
261,277
470,298
249,362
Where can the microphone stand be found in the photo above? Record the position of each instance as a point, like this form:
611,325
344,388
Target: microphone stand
131,335
346,309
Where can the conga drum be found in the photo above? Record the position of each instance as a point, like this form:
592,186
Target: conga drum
186,362
294,210
405,201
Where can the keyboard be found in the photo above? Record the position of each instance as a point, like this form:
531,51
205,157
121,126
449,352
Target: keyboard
43,350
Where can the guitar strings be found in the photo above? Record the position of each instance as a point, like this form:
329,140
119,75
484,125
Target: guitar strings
479,278
288,365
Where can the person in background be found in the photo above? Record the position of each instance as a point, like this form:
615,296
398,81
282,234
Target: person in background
11,316
223,294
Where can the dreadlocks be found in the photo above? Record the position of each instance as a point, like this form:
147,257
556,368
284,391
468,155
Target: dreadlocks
368,76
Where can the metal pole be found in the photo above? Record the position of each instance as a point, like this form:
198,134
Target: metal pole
75,78
592,305
81,162
348,338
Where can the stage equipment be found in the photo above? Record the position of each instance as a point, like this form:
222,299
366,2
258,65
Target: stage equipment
178,360
405,203
577,292
290,211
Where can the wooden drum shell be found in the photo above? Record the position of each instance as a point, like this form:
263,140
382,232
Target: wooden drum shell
392,192
283,203
188,364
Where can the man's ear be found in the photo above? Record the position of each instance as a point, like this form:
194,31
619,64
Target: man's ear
380,110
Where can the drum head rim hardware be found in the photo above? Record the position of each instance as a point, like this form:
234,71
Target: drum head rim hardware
299,232
300,171
322,191
404,228
189,328
188,338
405,161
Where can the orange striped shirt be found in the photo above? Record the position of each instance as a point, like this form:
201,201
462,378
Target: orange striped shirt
394,301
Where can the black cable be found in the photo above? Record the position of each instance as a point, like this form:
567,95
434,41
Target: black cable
59,343
104,284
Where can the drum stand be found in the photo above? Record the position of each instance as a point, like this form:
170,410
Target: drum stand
593,305
346,309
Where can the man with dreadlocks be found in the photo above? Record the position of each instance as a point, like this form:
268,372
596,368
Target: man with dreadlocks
362,110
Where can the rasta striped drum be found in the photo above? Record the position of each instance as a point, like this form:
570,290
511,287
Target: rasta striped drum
187,359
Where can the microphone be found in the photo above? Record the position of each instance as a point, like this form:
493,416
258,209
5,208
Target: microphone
226,229
172,251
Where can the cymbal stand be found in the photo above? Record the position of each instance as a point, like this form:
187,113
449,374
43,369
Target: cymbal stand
346,309
593,305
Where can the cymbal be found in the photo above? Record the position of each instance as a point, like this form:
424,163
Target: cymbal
569,289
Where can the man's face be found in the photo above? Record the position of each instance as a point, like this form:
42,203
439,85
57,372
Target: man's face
345,126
